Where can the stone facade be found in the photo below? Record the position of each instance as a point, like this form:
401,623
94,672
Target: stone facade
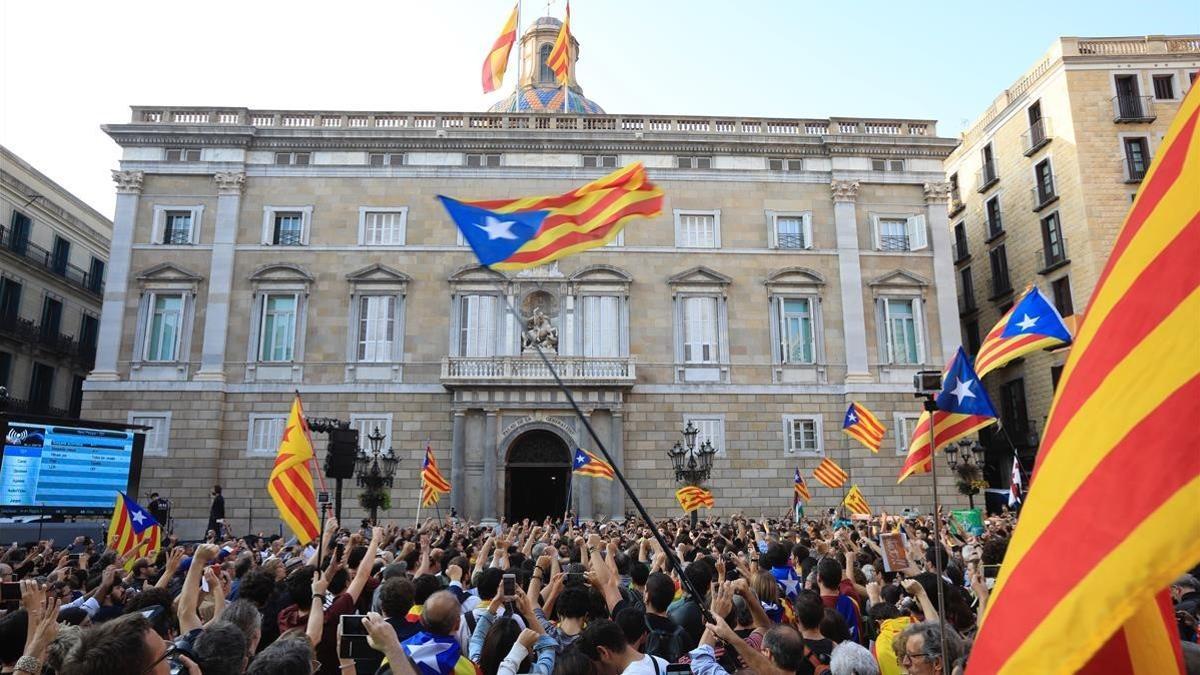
53,250
1079,108
753,304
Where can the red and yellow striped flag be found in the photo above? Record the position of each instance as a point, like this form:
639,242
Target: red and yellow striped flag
132,531
830,474
497,59
433,484
290,484
855,502
559,59
1081,584
692,497
862,424
948,427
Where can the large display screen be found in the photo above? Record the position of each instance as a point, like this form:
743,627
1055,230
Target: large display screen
60,468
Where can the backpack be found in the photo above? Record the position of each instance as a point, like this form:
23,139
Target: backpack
818,668
666,645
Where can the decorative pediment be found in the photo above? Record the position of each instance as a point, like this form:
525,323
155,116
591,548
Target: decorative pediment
281,273
378,274
795,277
601,274
168,273
699,275
897,278
468,273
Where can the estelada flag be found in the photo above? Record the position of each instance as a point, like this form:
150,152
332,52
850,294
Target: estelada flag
588,464
692,497
290,484
830,474
799,489
512,234
855,502
497,59
559,59
1032,324
862,424
433,484
132,530
1110,518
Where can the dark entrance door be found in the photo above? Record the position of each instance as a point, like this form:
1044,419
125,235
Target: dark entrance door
536,476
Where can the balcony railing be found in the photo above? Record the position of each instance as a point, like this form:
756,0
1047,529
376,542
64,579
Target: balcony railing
893,242
1037,135
1051,258
289,238
20,405
1042,195
966,303
1135,171
37,256
960,250
1133,109
30,332
529,369
1001,284
986,177
177,235
791,240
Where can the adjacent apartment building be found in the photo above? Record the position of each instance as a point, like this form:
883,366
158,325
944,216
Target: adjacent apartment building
799,264
1039,188
53,251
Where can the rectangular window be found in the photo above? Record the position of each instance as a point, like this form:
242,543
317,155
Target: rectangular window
987,172
793,231
700,330
479,160
164,327
1055,375
95,278
61,255
384,228
477,326
887,165
711,429
367,423
803,434
995,219
183,155
967,284
89,328
901,325
1052,241
955,195
785,164
693,162
1137,158
10,300
1061,288
292,158
376,327
905,424
5,369
1164,87
999,261
1013,411
1044,176
289,229
893,234
51,318
265,433
696,230
386,159
599,161
961,251
177,227
277,341
601,325
971,337
41,387
797,337
158,435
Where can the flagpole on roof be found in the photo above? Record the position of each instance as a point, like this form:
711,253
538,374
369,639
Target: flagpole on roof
517,39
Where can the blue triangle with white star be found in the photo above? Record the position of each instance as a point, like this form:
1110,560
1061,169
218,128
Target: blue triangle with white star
962,392
1034,315
493,236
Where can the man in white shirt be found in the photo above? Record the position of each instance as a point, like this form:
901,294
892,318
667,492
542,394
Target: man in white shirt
604,643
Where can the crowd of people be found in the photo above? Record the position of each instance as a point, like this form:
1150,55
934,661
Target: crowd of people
455,597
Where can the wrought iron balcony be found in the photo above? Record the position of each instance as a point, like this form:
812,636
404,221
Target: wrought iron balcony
1133,109
528,369
20,405
35,255
966,303
1043,195
961,251
986,177
791,240
893,242
1037,135
1135,170
1050,258
289,238
30,332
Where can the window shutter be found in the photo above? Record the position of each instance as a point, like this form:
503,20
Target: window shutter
807,225
917,239
875,230
883,318
788,443
919,329
781,334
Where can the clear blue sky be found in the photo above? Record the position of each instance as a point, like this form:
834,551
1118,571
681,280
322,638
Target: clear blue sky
67,68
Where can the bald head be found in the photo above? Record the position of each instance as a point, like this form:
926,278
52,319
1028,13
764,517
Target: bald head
5,572
441,613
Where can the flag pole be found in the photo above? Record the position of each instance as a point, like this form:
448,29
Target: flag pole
570,488
517,38
931,408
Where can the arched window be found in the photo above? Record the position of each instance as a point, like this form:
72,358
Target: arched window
545,75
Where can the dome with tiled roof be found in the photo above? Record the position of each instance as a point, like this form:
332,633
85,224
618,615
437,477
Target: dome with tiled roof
537,89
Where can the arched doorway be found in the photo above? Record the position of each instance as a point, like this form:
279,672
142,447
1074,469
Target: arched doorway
538,467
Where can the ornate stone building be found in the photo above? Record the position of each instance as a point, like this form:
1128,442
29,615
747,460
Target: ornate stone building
1040,187
798,264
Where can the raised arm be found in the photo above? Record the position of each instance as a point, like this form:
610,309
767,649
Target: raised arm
368,562
316,608
189,597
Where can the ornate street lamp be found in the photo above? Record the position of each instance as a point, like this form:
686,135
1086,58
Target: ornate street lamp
374,473
969,469
692,465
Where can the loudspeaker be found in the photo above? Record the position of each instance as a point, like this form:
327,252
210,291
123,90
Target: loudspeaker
341,453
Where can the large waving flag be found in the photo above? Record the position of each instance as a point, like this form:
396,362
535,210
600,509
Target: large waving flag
692,497
559,59
963,408
861,424
433,484
1084,575
587,464
132,530
290,484
855,502
1032,324
497,59
531,231
830,474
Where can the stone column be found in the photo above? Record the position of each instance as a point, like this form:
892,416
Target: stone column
116,286
220,276
458,469
854,325
583,484
489,467
944,281
616,447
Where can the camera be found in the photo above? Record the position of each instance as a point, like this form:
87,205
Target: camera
927,382
353,641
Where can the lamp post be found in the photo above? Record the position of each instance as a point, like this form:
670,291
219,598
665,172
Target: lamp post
969,469
692,465
374,473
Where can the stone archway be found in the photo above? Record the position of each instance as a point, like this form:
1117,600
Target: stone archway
537,469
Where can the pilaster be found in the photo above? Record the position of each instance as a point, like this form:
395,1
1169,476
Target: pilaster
458,469
616,448
490,478
116,287
937,214
220,281
854,325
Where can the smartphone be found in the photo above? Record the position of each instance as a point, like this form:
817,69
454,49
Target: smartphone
681,668
353,642
510,585
73,557
10,590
